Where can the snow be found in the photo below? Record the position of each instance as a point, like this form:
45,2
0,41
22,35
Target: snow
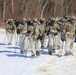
12,63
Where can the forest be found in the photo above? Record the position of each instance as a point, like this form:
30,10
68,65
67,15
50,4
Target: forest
18,9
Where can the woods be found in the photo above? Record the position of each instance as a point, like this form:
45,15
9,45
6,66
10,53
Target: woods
18,9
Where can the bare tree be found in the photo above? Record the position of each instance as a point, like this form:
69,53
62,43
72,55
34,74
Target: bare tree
44,8
12,8
68,3
62,7
55,7
4,8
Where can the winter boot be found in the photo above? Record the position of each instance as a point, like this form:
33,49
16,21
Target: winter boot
37,53
50,52
9,43
25,51
33,55
53,50
21,51
66,54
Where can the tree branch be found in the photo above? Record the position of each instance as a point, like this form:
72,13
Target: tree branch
43,8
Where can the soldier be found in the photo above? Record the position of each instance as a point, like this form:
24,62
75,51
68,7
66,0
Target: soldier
17,22
10,30
53,37
23,36
69,30
35,35
61,37
42,24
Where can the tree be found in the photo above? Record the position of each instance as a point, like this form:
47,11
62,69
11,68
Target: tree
12,7
43,9
4,9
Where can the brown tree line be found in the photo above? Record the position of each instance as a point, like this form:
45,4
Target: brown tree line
18,9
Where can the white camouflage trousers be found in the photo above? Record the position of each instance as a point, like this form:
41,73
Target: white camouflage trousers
23,42
9,37
35,45
55,41
51,42
60,44
69,43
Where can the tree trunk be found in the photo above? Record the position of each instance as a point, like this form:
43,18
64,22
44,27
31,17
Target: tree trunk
12,8
4,8
43,8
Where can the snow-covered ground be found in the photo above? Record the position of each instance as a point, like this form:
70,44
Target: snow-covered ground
12,63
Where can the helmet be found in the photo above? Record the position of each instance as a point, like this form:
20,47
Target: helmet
72,20
24,19
73,17
10,21
43,19
35,20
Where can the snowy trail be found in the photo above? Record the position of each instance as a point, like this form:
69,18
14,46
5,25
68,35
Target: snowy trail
12,63
63,66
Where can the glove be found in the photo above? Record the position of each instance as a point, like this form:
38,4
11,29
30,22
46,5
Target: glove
58,30
29,32
68,33
18,31
48,33
12,28
39,37
45,31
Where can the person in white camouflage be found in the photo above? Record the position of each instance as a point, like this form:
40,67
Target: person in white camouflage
10,30
53,35
35,35
69,30
23,38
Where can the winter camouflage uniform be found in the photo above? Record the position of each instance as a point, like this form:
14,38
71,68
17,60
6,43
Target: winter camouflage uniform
69,30
10,30
42,24
54,37
35,34
62,39
23,36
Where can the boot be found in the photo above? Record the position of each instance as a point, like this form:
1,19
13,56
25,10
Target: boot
25,52
50,53
53,50
59,56
66,54
9,43
33,55
37,53
21,51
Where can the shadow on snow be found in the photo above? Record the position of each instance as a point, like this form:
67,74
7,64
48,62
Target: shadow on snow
13,47
16,55
3,44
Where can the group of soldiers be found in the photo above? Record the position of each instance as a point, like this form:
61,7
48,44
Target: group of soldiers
36,33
